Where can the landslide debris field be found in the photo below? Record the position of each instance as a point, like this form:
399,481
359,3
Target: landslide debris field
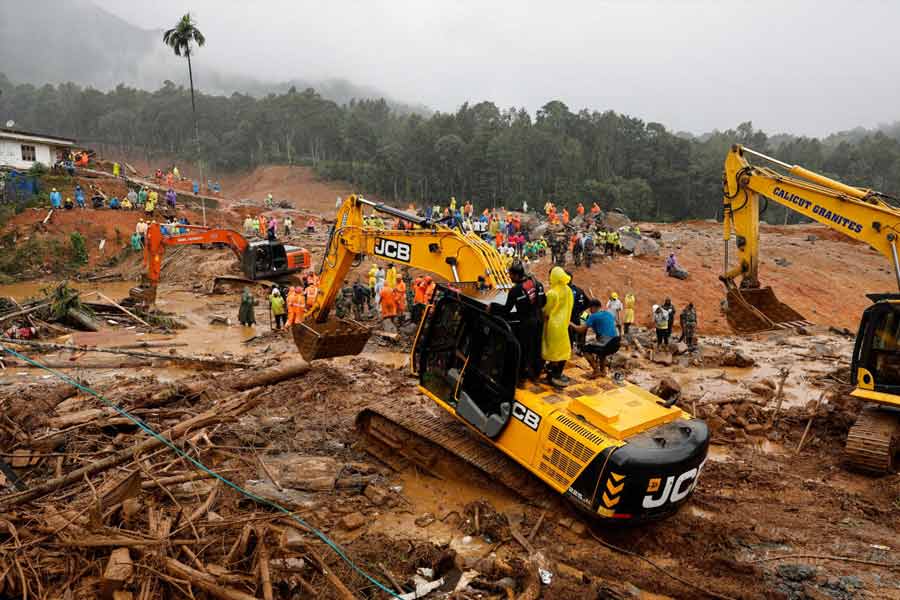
92,506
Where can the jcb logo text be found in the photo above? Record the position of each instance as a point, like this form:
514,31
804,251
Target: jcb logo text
526,415
393,250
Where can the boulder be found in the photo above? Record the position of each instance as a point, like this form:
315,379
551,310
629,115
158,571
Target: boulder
667,388
646,247
376,494
681,348
613,220
629,241
736,358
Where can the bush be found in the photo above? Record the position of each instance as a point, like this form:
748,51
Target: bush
79,249
38,169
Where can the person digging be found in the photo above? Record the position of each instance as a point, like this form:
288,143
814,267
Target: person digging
607,342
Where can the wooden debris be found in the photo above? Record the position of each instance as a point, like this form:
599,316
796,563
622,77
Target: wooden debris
119,569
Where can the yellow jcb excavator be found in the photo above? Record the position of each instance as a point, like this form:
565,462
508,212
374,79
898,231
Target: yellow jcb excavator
615,450
862,214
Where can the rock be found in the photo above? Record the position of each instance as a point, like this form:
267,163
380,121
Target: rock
300,472
812,237
219,320
646,247
352,521
768,382
667,388
629,241
614,219
681,348
782,262
663,358
796,572
753,428
376,494
736,358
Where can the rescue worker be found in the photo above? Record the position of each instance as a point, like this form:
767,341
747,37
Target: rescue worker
288,225
523,312
116,169
68,204
310,293
142,197
419,286
361,295
587,241
430,287
607,342
269,203
391,276
373,278
245,314
556,348
379,284
276,303
388,305
670,308
55,199
613,241
580,209
661,321
595,209
79,196
629,312
614,307
296,306
132,197
400,297
565,216
689,325
343,301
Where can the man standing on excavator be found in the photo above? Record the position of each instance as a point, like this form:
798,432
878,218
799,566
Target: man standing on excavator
522,309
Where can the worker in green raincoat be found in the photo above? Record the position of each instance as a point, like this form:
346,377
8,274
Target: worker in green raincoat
245,314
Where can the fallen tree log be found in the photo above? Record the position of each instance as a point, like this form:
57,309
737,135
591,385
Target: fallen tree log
175,357
239,404
204,581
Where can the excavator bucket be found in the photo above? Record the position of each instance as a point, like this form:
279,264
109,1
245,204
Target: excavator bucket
338,337
758,309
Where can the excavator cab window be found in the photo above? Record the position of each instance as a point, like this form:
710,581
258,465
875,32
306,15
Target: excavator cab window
878,346
469,359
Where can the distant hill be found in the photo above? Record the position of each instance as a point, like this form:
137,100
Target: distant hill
56,41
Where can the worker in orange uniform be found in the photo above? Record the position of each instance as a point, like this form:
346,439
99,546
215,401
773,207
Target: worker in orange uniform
580,209
565,216
400,297
595,209
311,292
418,298
388,305
296,306
430,285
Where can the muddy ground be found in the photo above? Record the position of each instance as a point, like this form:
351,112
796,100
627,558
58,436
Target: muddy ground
766,520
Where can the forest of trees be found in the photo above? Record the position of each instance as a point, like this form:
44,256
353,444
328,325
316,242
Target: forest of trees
481,152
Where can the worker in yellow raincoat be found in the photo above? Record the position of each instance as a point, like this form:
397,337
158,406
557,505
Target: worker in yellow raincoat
556,348
629,311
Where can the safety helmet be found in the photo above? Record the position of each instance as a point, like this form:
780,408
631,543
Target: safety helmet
614,296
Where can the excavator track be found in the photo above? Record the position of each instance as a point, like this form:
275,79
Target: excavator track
400,433
874,440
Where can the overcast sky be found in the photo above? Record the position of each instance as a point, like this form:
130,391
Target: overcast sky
799,66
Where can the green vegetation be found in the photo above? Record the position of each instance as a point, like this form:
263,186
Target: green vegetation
79,249
37,169
481,152
179,39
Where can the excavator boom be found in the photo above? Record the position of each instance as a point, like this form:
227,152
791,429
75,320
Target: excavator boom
858,213
445,252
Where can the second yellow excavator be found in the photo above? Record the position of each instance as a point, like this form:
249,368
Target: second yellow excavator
616,451
862,214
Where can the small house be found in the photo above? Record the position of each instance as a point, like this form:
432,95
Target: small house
20,149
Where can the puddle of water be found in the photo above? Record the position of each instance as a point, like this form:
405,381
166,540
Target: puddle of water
32,289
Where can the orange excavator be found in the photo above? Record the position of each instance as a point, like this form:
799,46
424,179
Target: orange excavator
259,260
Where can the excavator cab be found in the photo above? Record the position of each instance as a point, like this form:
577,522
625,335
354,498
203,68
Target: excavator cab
264,260
876,354
470,360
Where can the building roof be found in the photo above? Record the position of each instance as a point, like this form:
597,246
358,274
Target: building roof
15,134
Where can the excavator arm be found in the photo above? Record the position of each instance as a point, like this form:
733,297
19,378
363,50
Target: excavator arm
155,244
858,213
433,247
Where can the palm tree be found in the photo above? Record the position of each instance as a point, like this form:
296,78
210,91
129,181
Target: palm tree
179,38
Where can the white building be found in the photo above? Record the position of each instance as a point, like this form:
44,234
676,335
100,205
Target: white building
20,149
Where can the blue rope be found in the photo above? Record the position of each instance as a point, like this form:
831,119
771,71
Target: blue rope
147,429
